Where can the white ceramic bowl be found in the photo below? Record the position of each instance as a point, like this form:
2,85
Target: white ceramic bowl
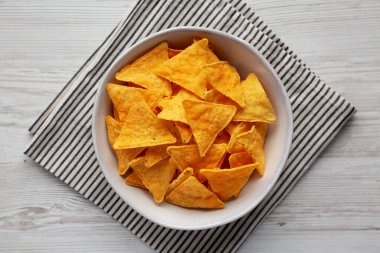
246,59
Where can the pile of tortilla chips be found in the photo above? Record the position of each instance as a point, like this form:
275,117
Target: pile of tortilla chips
185,127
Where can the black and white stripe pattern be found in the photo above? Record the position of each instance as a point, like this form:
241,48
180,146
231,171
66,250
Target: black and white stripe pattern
62,136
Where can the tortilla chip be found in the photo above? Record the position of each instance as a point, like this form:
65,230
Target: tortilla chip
173,52
143,129
224,163
188,156
206,121
193,194
225,79
155,154
214,96
123,97
172,109
254,145
134,180
185,69
258,107
123,156
113,129
175,89
185,174
231,127
222,138
240,159
156,178
262,129
184,132
116,114
228,182
141,73
163,102
233,146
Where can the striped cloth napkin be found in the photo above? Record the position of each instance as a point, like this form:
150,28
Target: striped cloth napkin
62,142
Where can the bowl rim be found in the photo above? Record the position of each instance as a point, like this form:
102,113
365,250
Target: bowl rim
263,61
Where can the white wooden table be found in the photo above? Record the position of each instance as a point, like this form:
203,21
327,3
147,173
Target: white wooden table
335,207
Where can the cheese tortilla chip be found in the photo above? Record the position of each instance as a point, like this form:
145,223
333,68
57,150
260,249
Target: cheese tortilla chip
123,156
156,178
134,180
185,174
224,163
231,126
141,73
240,159
143,129
222,138
258,107
184,132
188,156
228,182
207,120
113,129
163,102
185,69
254,145
262,129
192,194
123,97
155,154
214,96
225,79
173,52
233,146
116,114
172,109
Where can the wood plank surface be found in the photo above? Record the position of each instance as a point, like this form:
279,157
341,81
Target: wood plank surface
334,208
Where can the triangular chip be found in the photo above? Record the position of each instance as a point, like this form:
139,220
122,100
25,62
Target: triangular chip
141,70
156,178
113,129
116,114
231,126
143,129
123,97
240,159
172,109
222,138
188,156
185,69
163,102
185,174
224,163
155,154
184,132
226,183
206,121
134,180
214,96
173,52
225,79
192,194
124,156
258,107
233,146
253,142
262,129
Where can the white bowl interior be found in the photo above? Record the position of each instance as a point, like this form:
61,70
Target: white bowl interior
246,60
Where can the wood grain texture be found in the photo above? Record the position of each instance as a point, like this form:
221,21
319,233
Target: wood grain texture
334,208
